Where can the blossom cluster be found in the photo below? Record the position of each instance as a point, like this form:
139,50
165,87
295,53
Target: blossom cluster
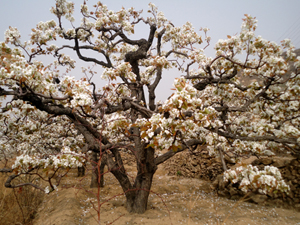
16,71
44,32
123,70
151,64
148,74
115,126
250,178
158,17
182,37
187,118
64,8
12,35
29,131
79,90
116,92
65,159
107,18
264,63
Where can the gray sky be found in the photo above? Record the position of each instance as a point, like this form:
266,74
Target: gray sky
277,19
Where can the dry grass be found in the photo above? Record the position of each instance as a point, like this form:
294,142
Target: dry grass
18,206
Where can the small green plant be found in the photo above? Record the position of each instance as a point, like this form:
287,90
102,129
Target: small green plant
179,173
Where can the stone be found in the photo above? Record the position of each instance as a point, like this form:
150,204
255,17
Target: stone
279,163
268,153
295,162
230,160
256,162
266,161
258,198
194,163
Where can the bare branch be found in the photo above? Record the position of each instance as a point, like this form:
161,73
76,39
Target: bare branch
12,177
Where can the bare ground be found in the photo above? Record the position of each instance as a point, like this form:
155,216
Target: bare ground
173,200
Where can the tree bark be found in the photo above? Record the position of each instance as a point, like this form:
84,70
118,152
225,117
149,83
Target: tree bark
81,171
222,158
139,202
95,173
102,165
142,185
97,179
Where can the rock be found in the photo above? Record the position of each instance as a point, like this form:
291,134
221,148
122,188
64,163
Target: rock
256,162
266,161
258,198
194,162
193,169
288,175
295,162
219,183
230,160
268,153
279,163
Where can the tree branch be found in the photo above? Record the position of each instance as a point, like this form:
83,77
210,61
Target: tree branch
171,153
12,177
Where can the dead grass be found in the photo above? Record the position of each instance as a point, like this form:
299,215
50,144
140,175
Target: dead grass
18,206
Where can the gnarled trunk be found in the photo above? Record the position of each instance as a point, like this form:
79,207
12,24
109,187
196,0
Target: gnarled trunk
136,194
97,179
138,201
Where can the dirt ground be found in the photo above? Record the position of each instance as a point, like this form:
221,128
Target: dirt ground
174,200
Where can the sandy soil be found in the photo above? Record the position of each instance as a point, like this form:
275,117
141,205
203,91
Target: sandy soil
174,200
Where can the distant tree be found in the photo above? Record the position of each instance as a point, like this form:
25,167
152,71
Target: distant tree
54,118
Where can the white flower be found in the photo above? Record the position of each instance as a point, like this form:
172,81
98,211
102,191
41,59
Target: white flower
252,179
47,190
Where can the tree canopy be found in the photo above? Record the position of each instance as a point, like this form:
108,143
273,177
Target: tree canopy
55,118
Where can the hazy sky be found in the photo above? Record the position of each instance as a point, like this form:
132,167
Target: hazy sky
277,19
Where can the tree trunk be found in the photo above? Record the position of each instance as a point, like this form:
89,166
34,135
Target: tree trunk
97,179
139,202
102,165
95,172
142,185
222,158
81,170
